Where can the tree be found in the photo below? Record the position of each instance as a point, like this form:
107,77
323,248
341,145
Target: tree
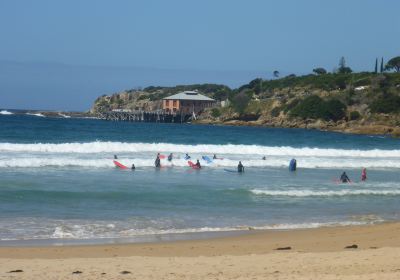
342,62
382,68
343,69
376,66
319,71
241,100
393,63
276,74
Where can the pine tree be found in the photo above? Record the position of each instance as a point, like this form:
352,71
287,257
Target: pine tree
376,66
382,65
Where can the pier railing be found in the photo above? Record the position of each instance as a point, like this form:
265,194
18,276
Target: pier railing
161,116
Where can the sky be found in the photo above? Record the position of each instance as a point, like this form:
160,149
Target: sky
61,55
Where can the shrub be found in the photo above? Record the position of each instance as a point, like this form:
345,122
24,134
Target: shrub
275,112
314,107
241,100
215,112
387,103
354,115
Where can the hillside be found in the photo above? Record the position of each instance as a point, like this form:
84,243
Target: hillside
346,102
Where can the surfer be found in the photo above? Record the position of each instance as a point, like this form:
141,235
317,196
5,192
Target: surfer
187,156
364,174
214,156
133,167
157,162
198,164
170,157
264,158
115,157
240,167
344,178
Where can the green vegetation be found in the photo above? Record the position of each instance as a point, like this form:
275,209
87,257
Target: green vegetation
215,112
314,107
386,103
393,64
354,115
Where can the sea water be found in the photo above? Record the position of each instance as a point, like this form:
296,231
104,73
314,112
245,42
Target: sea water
58,180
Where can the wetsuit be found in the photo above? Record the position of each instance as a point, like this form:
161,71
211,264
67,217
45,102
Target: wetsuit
157,162
133,167
344,178
240,167
214,157
170,157
198,164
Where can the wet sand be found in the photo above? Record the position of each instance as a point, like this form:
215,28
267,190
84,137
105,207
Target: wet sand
308,254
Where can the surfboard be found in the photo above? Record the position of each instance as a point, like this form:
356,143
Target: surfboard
230,170
119,165
207,159
192,165
162,156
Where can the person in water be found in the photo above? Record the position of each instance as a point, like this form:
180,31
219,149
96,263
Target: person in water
198,165
214,156
364,174
133,167
115,157
293,165
240,167
264,158
170,157
157,162
187,156
344,178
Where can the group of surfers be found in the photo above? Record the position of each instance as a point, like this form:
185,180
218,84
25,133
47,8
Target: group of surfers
345,179
240,168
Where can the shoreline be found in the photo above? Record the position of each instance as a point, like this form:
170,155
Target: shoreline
322,239
303,254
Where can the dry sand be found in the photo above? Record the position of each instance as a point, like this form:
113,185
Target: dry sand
314,254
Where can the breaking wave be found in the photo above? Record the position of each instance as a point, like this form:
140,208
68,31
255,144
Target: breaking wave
99,154
312,193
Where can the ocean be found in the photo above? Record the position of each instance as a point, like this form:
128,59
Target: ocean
58,183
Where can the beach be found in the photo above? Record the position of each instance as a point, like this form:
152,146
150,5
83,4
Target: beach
313,254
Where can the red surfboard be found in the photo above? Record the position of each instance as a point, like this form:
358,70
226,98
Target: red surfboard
192,165
162,156
119,165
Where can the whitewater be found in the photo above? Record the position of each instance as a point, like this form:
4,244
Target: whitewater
99,154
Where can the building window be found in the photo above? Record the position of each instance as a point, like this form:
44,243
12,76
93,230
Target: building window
166,102
174,103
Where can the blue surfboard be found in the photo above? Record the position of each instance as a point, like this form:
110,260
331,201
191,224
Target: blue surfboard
207,159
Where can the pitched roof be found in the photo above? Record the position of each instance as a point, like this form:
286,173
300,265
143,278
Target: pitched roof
189,95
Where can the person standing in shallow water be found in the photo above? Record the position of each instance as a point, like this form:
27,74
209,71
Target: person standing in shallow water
344,178
364,174
157,162
240,167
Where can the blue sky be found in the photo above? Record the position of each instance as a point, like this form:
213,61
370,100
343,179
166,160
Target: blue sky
234,38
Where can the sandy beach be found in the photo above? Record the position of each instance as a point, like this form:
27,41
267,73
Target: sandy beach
308,254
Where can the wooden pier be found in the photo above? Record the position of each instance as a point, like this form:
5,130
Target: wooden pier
159,116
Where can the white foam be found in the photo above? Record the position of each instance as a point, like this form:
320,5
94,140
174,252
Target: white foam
228,149
312,193
5,112
36,114
64,116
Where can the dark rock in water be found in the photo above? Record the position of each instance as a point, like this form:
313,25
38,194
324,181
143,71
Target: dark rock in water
354,246
77,272
125,272
15,271
284,248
